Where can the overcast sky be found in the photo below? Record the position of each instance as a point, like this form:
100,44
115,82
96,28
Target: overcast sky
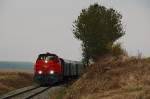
31,27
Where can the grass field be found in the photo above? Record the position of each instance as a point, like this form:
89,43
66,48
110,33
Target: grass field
113,78
13,80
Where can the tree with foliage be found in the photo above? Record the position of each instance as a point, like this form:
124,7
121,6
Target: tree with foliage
98,28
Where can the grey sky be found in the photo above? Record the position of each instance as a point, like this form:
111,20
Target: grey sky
30,27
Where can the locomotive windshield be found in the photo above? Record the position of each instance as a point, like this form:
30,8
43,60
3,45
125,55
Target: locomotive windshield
47,57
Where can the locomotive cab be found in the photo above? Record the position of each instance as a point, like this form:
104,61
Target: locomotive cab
48,69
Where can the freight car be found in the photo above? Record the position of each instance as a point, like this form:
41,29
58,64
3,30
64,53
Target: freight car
50,69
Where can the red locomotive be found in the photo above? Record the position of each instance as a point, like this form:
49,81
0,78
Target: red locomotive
49,69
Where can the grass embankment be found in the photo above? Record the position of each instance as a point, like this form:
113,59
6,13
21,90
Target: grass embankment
113,78
57,92
14,80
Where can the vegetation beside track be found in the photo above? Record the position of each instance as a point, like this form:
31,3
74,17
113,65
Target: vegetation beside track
13,80
58,93
113,78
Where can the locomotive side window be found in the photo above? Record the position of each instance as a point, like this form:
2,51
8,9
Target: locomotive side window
41,57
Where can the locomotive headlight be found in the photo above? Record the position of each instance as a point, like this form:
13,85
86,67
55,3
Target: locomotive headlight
40,72
46,61
51,72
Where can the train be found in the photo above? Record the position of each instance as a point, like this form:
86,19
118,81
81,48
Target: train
50,69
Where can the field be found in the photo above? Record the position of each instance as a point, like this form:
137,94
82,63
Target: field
113,78
13,80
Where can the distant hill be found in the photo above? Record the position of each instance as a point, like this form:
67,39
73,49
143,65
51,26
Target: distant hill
16,65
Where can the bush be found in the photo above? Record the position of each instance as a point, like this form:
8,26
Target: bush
118,50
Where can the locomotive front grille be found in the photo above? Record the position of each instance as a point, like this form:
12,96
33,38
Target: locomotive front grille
46,78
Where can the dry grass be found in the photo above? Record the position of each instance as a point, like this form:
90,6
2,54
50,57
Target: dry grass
57,92
14,80
113,78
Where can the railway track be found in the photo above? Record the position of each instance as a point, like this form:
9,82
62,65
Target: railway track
25,93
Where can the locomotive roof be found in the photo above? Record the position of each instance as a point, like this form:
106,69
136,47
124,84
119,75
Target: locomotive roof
47,54
74,62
